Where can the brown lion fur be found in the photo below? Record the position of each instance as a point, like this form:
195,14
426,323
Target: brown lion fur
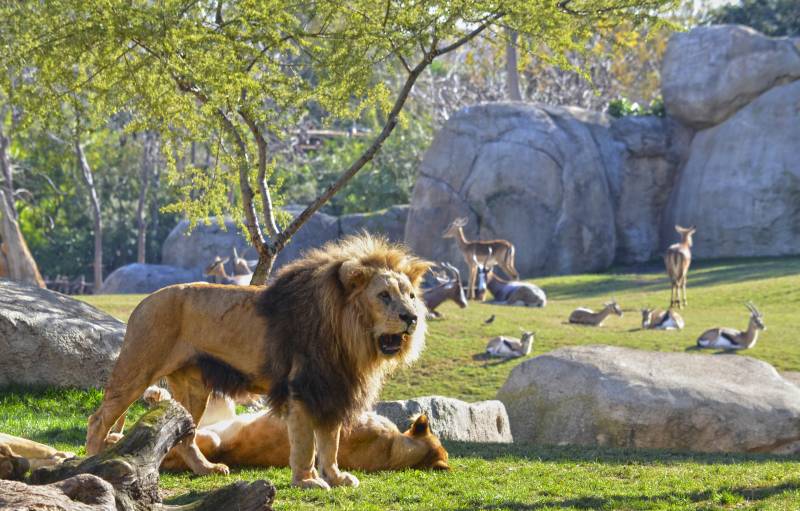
18,455
320,332
317,335
370,443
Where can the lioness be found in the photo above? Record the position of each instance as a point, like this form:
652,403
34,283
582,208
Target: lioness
318,341
371,442
18,455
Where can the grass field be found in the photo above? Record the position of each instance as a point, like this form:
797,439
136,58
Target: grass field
525,477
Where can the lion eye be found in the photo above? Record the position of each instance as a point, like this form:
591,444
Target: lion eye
412,296
385,296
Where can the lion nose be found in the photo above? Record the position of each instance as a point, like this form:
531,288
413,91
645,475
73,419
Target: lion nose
410,319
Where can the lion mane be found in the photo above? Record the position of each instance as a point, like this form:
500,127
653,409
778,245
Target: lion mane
321,349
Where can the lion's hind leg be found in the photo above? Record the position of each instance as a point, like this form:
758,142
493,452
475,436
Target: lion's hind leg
189,390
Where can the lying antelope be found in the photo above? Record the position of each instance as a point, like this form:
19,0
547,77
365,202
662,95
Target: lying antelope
515,292
732,339
508,347
584,316
217,270
499,252
677,260
449,288
657,319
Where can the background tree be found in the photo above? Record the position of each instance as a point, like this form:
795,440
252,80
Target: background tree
771,17
244,72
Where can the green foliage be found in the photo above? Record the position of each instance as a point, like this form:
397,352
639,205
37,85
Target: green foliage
771,17
210,72
622,107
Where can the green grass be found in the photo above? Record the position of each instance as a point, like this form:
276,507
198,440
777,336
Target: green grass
526,477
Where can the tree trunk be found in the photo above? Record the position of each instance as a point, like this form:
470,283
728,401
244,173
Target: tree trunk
512,73
15,253
88,180
131,468
6,168
149,155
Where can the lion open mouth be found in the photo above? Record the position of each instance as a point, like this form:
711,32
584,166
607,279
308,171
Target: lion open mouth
392,343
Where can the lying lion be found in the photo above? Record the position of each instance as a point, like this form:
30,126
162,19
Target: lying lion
318,341
370,443
18,455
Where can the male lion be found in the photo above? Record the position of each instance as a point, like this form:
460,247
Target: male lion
318,340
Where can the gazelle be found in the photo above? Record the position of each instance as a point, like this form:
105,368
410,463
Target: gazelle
450,288
677,260
515,292
508,347
499,252
240,265
657,319
732,339
217,270
584,316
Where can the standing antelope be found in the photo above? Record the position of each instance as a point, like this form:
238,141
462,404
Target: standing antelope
677,260
449,288
217,270
499,252
732,339
584,316
656,319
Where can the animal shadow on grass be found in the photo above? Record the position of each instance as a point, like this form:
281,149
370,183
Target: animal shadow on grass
490,361
604,455
641,501
711,352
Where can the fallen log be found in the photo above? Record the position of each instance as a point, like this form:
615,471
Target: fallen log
127,472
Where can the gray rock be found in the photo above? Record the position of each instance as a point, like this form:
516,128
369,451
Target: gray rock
47,338
451,419
653,150
390,222
603,395
710,72
197,249
531,174
139,278
318,230
741,183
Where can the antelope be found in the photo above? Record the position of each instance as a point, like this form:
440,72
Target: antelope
515,292
499,252
240,265
449,288
217,270
656,319
508,347
732,339
677,260
584,316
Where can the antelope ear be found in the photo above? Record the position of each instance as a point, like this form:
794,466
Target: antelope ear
421,426
353,275
416,269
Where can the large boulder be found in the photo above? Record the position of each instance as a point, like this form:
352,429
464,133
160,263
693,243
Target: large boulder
196,248
653,148
139,278
741,183
603,395
710,72
451,419
532,174
47,338
390,222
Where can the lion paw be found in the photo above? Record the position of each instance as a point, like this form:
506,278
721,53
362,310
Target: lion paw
213,468
337,478
311,483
